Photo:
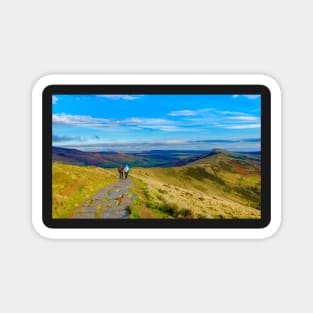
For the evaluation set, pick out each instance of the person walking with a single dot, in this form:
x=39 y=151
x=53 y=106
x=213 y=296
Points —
x=126 y=171
x=121 y=171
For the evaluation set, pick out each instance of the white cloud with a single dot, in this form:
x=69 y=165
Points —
x=77 y=120
x=252 y=97
x=246 y=126
x=157 y=121
x=247 y=118
x=166 y=128
x=239 y=121
x=54 y=99
x=169 y=128
x=151 y=123
x=126 y=143
x=89 y=121
x=233 y=113
x=121 y=97
x=183 y=113
x=133 y=120
x=189 y=112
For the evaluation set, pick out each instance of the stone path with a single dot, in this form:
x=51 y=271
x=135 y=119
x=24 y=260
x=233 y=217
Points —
x=110 y=202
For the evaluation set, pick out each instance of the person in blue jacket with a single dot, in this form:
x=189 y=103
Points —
x=126 y=170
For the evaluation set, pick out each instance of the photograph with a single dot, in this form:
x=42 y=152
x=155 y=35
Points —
x=156 y=156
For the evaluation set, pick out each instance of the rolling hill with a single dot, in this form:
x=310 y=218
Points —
x=220 y=185
x=77 y=157
x=214 y=184
x=134 y=159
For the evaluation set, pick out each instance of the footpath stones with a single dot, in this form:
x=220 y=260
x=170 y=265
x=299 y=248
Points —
x=110 y=202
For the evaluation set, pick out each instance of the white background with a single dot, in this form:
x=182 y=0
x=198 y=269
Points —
x=270 y=37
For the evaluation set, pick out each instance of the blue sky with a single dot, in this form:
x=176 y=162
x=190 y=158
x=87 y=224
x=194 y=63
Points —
x=146 y=122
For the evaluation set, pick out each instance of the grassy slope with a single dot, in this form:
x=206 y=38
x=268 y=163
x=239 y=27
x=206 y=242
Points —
x=219 y=186
x=216 y=187
x=141 y=207
x=73 y=185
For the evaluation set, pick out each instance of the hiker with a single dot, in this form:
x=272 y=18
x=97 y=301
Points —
x=126 y=170
x=121 y=171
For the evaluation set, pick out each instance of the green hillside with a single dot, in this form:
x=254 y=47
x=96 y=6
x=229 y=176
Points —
x=219 y=186
x=72 y=185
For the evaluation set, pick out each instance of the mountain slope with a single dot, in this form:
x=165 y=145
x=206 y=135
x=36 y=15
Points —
x=221 y=185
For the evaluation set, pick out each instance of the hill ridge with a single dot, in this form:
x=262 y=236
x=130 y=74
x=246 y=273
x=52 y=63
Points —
x=153 y=158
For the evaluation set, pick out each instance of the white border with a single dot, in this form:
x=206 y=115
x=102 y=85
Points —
x=156 y=233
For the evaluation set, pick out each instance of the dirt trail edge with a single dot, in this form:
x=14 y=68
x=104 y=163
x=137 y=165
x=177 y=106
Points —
x=110 y=202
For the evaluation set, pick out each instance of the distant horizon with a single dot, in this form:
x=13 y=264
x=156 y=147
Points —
x=156 y=122
x=152 y=150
